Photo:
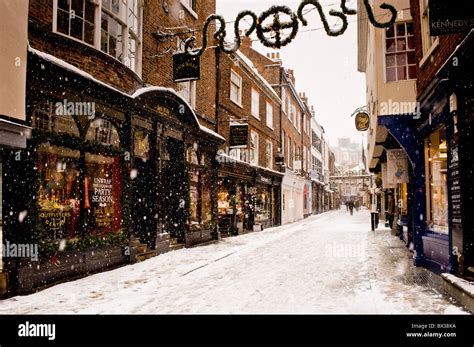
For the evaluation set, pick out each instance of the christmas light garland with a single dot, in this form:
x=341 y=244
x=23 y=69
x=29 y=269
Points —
x=276 y=39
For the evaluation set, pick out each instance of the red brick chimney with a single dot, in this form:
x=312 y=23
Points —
x=246 y=41
x=291 y=76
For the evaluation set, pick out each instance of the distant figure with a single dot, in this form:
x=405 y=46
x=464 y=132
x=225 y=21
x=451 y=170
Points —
x=351 y=207
x=357 y=205
x=347 y=205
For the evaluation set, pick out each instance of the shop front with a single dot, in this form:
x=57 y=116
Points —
x=248 y=198
x=292 y=197
x=307 y=199
x=88 y=184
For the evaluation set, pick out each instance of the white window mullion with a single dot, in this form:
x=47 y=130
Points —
x=55 y=16
x=98 y=25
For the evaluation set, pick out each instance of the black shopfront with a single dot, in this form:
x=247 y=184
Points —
x=90 y=182
x=248 y=197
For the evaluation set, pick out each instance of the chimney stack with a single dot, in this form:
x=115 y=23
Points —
x=246 y=42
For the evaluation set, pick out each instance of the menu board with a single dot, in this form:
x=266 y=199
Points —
x=455 y=184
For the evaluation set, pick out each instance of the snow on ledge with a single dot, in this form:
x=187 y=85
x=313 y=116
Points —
x=211 y=132
x=72 y=68
x=232 y=159
x=466 y=286
x=56 y=61
x=148 y=89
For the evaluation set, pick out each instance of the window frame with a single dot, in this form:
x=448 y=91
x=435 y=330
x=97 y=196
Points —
x=269 y=106
x=191 y=8
x=122 y=18
x=269 y=159
x=255 y=103
x=406 y=51
x=254 y=150
x=240 y=87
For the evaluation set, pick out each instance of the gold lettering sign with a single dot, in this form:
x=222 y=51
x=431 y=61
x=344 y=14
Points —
x=163 y=111
x=362 y=121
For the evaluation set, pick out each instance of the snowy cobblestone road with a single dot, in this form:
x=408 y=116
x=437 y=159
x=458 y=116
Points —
x=329 y=263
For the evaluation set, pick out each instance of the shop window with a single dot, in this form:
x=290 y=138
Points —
x=141 y=145
x=102 y=131
x=253 y=148
x=194 y=197
x=437 y=181
x=400 y=57
x=206 y=206
x=59 y=190
x=262 y=206
x=46 y=118
x=223 y=202
x=192 y=156
x=103 y=188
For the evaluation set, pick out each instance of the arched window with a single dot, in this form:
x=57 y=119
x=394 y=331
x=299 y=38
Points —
x=104 y=132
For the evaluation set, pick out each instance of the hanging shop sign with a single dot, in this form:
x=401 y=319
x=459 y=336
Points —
x=447 y=17
x=186 y=68
x=397 y=166
x=362 y=121
x=239 y=136
x=385 y=184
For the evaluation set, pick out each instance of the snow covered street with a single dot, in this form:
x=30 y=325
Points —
x=329 y=263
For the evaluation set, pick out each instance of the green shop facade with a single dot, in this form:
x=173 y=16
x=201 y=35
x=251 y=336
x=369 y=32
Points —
x=102 y=172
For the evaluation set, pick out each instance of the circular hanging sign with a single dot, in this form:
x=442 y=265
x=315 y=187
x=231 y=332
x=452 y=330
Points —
x=362 y=121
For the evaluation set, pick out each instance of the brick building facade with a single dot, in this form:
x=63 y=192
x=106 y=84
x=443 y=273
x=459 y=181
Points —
x=249 y=176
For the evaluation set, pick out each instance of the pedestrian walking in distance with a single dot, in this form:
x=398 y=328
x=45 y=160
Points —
x=351 y=207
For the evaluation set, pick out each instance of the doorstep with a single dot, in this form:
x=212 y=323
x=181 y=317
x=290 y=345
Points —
x=460 y=289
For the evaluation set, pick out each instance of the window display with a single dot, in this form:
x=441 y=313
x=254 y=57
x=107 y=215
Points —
x=103 y=188
x=262 y=206
x=437 y=181
x=58 y=196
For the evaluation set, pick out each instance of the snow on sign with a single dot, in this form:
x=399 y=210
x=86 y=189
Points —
x=397 y=167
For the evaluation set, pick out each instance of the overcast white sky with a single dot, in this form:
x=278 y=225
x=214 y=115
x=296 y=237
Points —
x=325 y=67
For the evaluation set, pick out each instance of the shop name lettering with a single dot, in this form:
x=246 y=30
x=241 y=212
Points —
x=37 y=330
x=448 y=24
x=75 y=108
x=102 y=190
x=55 y=220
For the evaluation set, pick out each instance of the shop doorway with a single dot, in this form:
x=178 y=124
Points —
x=175 y=190
x=144 y=210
